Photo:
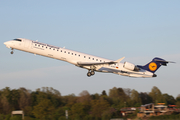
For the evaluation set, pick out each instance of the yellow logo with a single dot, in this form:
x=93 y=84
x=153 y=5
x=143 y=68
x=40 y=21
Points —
x=152 y=66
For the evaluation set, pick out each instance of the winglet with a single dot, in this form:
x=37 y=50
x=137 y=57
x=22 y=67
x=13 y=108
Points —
x=119 y=60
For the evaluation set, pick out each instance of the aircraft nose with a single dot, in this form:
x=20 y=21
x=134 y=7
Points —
x=7 y=44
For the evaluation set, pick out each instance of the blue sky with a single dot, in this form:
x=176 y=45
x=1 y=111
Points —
x=139 y=30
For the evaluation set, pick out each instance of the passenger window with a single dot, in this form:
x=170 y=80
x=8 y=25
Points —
x=35 y=44
x=79 y=55
x=42 y=46
x=93 y=58
x=39 y=45
x=46 y=47
x=57 y=49
x=64 y=51
x=72 y=53
x=84 y=56
x=96 y=59
x=89 y=58
x=100 y=60
x=68 y=52
x=49 y=48
x=75 y=54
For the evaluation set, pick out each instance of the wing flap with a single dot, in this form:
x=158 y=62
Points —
x=94 y=63
x=99 y=63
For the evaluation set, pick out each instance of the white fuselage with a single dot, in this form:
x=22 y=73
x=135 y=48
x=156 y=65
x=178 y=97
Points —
x=74 y=57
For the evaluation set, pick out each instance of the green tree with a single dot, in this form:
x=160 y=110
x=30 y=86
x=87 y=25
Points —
x=106 y=115
x=95 y=96
x=78 y=111
x=15 y=95
x=44 y=110
x=178 y=101
x=127 y=91
x=135 y=98
x=145 y=98
x=169 y=99
x=156 y=95
x=69 y=100
x=178 y=98
x=118 y=97
x=85 y=100
x=60 y=113
x=104 y=93
x=25 y=99
x=98 y=107
x=6 y=100
x=84 y=96
x=16 y=117
x=46 y=93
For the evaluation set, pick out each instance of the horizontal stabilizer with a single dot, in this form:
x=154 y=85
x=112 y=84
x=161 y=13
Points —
x=164 y=61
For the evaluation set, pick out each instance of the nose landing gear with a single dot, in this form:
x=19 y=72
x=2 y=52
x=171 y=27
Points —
x=12 y=51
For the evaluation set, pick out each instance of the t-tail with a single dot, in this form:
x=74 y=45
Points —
x=154 y=65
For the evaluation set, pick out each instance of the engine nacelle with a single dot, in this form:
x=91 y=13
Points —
x=130 y=66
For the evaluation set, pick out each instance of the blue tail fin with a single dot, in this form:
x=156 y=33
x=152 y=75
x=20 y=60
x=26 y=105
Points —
x=154 y=65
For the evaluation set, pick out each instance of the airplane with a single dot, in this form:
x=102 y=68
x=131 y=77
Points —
x=89 y=62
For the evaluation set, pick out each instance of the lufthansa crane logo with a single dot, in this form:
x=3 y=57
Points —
x=152 y=66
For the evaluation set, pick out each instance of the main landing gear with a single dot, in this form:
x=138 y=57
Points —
x=90 y=72
x=12 y=51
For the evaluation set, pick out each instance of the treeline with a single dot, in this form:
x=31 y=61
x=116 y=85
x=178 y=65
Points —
x=48 y=104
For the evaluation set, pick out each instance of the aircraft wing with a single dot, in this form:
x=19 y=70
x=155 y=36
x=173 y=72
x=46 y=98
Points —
x=99 y=63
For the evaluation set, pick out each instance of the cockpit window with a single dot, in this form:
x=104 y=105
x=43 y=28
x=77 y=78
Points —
x=18 y=40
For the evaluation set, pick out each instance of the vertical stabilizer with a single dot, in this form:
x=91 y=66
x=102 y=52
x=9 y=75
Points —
x=154 y=65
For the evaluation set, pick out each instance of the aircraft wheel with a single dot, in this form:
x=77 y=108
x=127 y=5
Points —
x=88 y=74
x=92 y=72
x=12 y=52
